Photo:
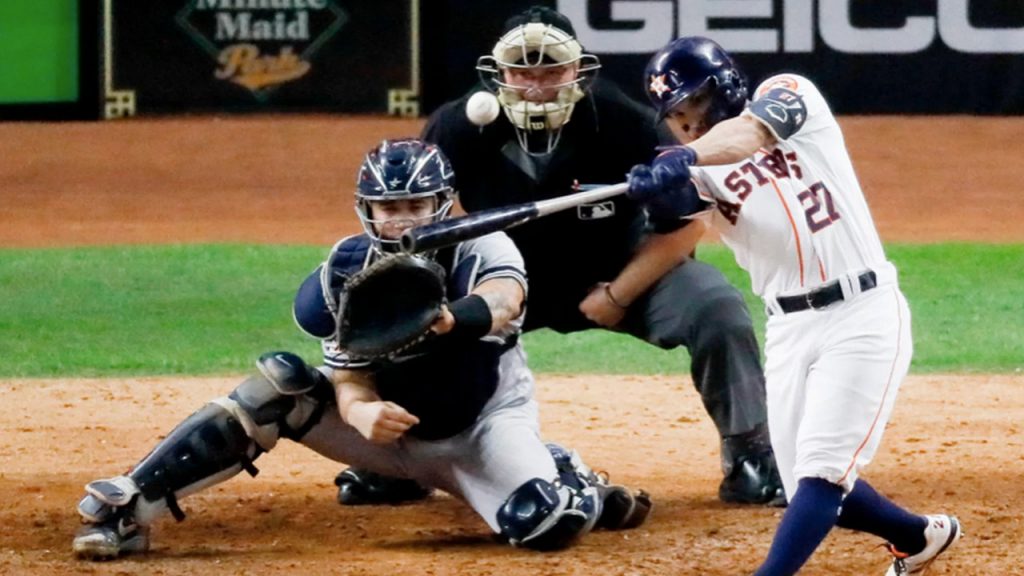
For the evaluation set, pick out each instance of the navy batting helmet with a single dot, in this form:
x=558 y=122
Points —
x=688 y=65
x=398 y=170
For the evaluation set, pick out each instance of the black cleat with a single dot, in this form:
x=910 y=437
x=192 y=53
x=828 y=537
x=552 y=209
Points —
x=753 y=479
x=361 y=487
x=622 y=509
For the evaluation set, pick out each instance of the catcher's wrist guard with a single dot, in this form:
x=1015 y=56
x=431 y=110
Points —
x=472 y=317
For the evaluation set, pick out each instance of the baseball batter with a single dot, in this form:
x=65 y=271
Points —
x=456 y=412
x=774 y=177
x=610 y=264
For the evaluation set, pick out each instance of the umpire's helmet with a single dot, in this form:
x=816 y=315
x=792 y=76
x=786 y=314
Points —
x=688 y=65
x=403 y=169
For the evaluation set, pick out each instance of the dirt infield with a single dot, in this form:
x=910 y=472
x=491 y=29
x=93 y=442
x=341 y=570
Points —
x=955 y=442
x=945 y=450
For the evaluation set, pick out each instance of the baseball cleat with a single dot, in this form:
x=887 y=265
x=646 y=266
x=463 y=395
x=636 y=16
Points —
x=622 y=509
x=110 y=539
x=361 y=487
x=753 y=480
x=941 y=533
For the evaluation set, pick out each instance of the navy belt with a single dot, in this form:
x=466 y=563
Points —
x=824 y=295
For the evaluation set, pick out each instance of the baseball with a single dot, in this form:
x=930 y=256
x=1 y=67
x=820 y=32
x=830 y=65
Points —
x=482 y=108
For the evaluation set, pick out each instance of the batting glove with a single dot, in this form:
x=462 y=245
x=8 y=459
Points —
x=670 y=170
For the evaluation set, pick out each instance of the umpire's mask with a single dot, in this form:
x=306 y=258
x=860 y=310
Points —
x=538 y=71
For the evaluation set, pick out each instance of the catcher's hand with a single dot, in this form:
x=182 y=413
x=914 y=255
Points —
x=389 y=306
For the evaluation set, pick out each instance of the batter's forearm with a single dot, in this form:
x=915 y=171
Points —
x=731 y=141
x=656 y=256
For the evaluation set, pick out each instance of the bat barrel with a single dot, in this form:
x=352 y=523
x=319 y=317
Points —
x=454 y=230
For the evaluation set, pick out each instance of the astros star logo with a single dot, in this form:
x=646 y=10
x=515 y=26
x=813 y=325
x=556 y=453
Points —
x=658 y=85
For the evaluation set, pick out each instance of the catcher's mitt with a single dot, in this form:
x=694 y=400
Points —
x=389 y=306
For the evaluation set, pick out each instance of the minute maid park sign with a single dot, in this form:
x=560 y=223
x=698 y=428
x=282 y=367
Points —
x=261 y=44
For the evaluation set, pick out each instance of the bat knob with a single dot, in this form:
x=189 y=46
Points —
x=407 y=242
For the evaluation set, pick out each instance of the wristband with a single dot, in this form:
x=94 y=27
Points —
x=472 y=317
x=608 y=293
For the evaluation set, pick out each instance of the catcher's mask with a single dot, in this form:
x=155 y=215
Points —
x=692 y=65
x=400 y=170
x=535 y=41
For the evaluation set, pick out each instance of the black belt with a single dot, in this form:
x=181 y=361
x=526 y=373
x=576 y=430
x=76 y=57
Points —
x=824 y=295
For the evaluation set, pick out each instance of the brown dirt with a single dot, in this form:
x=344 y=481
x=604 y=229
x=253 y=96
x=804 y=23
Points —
x=954 y=444
x=945 y=450
x=290 y=179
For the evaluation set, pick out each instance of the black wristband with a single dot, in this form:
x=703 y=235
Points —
x=472 y=317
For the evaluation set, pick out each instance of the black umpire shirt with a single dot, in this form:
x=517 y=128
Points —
x=566 y=253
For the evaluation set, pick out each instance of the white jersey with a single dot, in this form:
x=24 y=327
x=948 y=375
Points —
x=794 y=214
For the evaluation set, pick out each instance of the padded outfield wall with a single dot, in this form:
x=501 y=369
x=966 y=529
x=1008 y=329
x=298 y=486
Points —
x=405 y=57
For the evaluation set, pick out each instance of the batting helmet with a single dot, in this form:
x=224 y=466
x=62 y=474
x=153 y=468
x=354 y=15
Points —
x=402 y=169
x=689 y=65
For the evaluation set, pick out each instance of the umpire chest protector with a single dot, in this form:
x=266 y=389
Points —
x=444 y=381
x=568 y=252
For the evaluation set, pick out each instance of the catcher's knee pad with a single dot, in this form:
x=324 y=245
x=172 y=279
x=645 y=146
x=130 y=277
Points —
x=286 y=399
x=542 y=515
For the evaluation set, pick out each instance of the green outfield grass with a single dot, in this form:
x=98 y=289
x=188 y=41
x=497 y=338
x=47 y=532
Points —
x=212 y=309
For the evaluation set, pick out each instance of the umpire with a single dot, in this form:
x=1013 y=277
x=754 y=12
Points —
x=609 y=264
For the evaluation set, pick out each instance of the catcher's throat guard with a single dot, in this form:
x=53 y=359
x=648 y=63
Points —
x=388 y=307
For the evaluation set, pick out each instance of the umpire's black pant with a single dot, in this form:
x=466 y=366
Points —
x=694 y=306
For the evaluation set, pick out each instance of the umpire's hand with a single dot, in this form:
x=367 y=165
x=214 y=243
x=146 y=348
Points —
x=601 y=308
x=380 y=422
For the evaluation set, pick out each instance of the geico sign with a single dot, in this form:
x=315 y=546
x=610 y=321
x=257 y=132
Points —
x=796 y=33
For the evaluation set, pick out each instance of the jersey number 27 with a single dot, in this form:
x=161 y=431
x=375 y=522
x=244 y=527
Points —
x=819 y=209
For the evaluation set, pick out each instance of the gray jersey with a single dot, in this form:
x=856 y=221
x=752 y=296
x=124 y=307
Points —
x=501 y=449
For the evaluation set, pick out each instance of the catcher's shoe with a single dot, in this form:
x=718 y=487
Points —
x=111 y=538
x=942 y=531
x=622 y=509
x=753 y=479
x=361 y=487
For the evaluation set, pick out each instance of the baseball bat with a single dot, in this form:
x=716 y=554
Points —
x=454 y=230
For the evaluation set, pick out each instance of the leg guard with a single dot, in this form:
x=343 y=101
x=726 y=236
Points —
x=215 y=443
x=548 y=516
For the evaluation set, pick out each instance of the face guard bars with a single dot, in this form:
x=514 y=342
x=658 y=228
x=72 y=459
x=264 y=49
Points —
x=537 y=46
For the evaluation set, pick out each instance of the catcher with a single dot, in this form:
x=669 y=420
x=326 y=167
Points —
x=424 y=379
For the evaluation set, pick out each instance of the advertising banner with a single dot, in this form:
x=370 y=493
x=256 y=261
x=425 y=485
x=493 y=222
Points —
x=227 y=55
x=867 y=56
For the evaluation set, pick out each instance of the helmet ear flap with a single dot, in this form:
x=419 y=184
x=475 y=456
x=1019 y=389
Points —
x=734 y=91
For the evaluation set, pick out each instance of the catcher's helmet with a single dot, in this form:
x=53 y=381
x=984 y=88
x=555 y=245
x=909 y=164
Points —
x=537 y=39
x=688 y=65
x=403 y=169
